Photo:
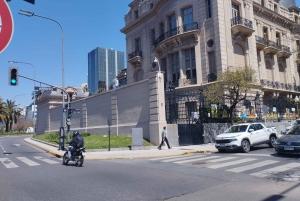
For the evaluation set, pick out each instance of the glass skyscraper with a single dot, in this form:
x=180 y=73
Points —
x=103 y=67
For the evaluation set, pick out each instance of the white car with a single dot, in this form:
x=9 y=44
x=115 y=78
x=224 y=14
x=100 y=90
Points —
x=296 y=122
x=245 y=135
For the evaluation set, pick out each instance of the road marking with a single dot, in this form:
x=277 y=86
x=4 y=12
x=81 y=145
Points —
x=196 y=159
x=27 y=161
x=45 y=160
x=252 y=166
x=221 y=159
x=275 y=170
x=186 y=157
x=154 y=159
x=231 y=163
x=17 y=145
x=240 y=154
x=292 y=177
x=8 y=163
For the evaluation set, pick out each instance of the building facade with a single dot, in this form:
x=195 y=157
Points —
x=195 y=40
x=103 y=67
x=29 y=114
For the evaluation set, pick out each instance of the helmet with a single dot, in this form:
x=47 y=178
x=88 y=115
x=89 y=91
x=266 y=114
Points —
x=75 y=133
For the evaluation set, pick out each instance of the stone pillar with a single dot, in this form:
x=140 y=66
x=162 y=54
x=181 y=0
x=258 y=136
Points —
x=157 y=107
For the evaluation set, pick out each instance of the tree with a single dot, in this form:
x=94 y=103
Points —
x=11 y=114
x=22 y=124
x=100 y=90
x=232 y=86
x=2 y=110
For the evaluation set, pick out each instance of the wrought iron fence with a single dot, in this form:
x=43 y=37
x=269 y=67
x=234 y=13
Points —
x=260 y=40
x=241 y=21
x=135 y=54
x=176 y=31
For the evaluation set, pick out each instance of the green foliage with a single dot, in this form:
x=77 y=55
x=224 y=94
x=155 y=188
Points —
x=238 y=119
x=85 y=134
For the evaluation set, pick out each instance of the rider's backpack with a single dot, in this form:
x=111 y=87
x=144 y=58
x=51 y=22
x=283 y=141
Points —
x=80 y=141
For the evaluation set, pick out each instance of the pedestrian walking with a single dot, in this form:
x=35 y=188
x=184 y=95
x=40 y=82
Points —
x=164 y=138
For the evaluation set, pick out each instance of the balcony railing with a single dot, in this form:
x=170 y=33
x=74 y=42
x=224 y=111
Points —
x=260 y=40
x=135 y=54
x=241 y=21
x=278 y=85
x=176 y=31
x=285 y=48
x=272 y=44
x=212 y=77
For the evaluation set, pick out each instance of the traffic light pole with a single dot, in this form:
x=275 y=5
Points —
x=62 y=129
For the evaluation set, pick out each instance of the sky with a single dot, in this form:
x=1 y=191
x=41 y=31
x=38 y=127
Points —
x=86 y=25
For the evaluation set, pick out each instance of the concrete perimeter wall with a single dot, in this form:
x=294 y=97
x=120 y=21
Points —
x=139 y=105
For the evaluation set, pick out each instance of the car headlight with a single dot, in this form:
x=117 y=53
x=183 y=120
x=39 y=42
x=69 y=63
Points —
x=277 y=142
x=233 y=139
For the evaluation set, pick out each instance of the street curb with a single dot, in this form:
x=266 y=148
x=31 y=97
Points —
x=58 y=154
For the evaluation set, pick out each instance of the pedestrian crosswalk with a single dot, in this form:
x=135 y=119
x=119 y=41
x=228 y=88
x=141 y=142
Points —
x=254 y=165
x=34 y=161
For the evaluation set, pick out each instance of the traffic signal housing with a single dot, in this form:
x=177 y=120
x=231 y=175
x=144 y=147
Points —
x=13 y=76
x=69 y=113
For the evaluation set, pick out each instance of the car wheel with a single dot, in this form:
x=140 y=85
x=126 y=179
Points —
x=222 y=150
x=245 y=146
x=272 y=141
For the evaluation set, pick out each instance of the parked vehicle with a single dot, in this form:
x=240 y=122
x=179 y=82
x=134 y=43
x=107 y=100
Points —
x=289 y=143
x=78 y=157
x=294 y=123
x=244 y=136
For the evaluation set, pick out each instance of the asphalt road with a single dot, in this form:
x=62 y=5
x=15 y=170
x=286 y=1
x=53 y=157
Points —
x=28 y=173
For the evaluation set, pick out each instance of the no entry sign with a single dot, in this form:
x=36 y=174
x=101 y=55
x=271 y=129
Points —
x=6 y=25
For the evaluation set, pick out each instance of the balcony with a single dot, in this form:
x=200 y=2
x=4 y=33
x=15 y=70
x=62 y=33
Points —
x=298 y=58
x=272 y=47
x=212 y=77
x=135 y=58
x=284 y=52
x=241 y=25
x=182 y=30
x=260 y=43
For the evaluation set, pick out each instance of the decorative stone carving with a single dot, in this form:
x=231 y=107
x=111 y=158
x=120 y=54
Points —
x=268 y=56
x=197 y=35
x=239 y=37
x=163 y=47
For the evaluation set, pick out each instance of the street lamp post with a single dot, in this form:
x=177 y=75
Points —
x=34 y=120
x=297 y=102
x=256 y=101
x=154 y=65
x=30 y=14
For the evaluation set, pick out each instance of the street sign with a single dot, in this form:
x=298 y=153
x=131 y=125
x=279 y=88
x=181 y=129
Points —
x=6 y=25
x=45 y=88
x=75 y=110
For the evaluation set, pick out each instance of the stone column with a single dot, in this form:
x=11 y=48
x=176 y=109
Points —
x=157 y=107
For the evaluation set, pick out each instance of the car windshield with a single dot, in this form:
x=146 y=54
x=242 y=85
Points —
x=237 y=129
x=296 y=122
x=294 y=131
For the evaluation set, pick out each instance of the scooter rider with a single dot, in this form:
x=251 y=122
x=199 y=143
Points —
x=73 y=144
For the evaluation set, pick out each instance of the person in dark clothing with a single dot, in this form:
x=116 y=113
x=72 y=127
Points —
x=73 y=144
x=164 y=138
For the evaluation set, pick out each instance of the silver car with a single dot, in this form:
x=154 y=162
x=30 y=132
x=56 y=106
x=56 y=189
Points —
x=290 y=142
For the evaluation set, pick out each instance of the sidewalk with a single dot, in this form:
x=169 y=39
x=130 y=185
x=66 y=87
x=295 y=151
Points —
x=129 y=154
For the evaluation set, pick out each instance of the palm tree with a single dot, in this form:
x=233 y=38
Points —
x=11 y=114
x=2 y=111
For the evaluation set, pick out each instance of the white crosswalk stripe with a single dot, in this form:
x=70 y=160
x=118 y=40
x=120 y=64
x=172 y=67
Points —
x=221 y=159
x=196 y=159
x=183 y=158
x=275 y=170
x=231 y=163
x=45 y=160
x=252 y=166
x=27 y=161
x=156 y=159
x=8 y=163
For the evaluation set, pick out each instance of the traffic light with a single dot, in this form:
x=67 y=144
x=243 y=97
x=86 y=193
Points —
x=13 y=76
x=69 y=113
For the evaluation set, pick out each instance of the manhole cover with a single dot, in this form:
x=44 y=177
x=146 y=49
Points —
x=198 y=163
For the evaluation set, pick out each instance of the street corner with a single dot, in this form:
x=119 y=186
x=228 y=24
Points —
x=56 y=153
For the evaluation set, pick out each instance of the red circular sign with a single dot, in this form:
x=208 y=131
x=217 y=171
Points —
x=6 y=25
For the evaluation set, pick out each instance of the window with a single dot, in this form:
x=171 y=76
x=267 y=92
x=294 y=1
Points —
x=266 y=37
x=152 y=36
x=190 y=63
x=187 y=18
x=175 y=67
x=278 y=40
x=211 y=63
x=190 y=107
x=235 y=11
x=209 y=9
x=136 y=14
x=137 y=44
x=161 y=28
x=172 y=25
x=263 y=2
x=275 y=8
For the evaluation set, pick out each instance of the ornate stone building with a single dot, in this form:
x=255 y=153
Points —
x=194 y=40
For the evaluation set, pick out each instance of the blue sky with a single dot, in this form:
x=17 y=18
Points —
x=86 y=24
